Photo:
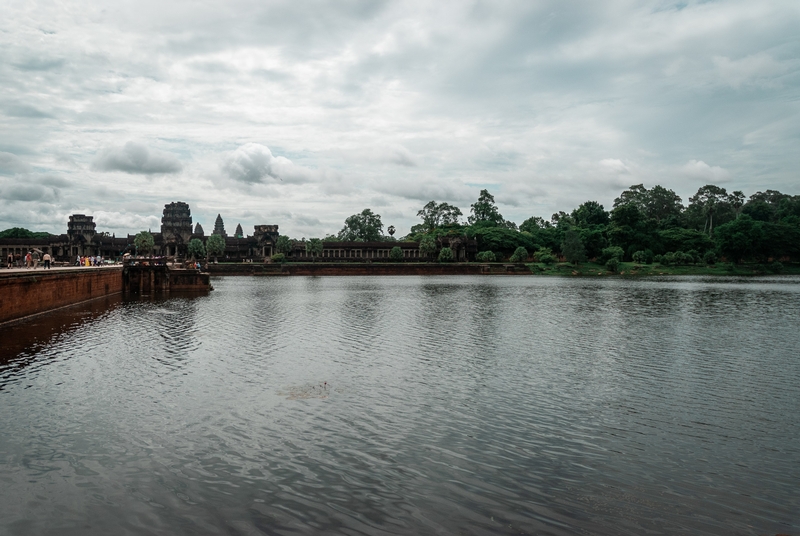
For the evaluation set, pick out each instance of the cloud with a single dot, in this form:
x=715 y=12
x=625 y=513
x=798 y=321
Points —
x=700 y=171
x=254 y=163
x=136 y=158
x=27 y=112
x=614 y=165
x=28 y=192
x=110 y=221
x=52 y=180
x=11 y=163
x=756 y=69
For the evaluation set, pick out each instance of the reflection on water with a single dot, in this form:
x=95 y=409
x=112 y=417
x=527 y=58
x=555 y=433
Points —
x=409 y=405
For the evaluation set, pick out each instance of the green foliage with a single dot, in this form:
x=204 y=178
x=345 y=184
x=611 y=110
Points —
x=144 y=243
x=314 y=247
x=640 y=257
x=435 y=215
x=363 y=227
x=196 y=248
x=590 y=213
x=283 y=245
x=446 y=255
x=485 y=256
x=215 y=245
x=612 y=264
x=613 y=252
x=520 y=255
x=499 y=239
x=19 y=232
x=710 y=258
x=427 y=246
x=545 y=256
x=684 y=239
x=484 y=210
x=396 y=254
x=572 y=247
x=278 y=257
x=776 y=267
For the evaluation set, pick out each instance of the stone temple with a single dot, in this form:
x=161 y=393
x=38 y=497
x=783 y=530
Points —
x=82 y=239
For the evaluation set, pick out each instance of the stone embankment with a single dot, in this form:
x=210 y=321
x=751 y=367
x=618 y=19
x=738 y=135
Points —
x=362 y=269
x=29 y=292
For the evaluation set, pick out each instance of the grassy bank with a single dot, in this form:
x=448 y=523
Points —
x=634 y=269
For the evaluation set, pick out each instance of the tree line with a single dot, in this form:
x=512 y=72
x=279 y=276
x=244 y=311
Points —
x=643 y=225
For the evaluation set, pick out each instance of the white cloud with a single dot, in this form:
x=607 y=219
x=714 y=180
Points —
x=136 y=158
x=253 y=163
x=113 y=221
x=700 y=171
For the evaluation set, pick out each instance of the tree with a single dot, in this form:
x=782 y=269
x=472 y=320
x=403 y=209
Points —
x=196 y=248
x=485 y=256
x=446 y=255
x=661 y=203
x=19 y=232
x=710 y=200
x=144 y=243
x=435 y=215
x=427 y=246
x=396 y=254
x=572 y=247
x=314 y=248
x=215 y=246
x=590 y=213
x=636 y=195
x=363 y=227
x=484 y=210
x=520 y=255
x=283 y=244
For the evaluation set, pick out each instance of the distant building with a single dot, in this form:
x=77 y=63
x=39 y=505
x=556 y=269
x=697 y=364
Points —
x=82 y=239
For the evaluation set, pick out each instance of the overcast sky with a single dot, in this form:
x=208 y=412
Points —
x=301 y=113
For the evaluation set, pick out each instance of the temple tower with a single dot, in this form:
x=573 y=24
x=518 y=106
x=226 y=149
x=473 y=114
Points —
x=198 y=229
x=219 y=227
x=176 y=228
x=239 y=233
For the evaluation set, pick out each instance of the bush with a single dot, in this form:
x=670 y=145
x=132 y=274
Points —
x=520 y=255
x=776 y=267
x=613 y=252
x=545 y=256
x=760 y=269
x=446 y=255
x=658 y=259
x=612 y=264
x=639 y=257
x=710 y=258
x=485 y=256
x=278 y=257
x=693 y=256
x=396 y=254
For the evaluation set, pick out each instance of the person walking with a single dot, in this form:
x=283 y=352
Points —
x=35 y=257
x=10 y=260
x=28 y=261
x=46 y=260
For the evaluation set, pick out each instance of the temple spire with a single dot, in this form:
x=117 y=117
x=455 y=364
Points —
x=219 y=227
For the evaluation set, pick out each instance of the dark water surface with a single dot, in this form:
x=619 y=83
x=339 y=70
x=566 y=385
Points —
x=453 y=405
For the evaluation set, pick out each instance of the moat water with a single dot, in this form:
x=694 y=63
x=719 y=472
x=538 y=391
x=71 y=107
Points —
x=409 y=405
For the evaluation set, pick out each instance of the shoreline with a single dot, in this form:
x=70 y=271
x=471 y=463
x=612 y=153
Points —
x=587 y=269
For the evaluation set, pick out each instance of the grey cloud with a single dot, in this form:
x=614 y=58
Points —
x=136 y=158
x=28 y=192
x=11 y=163
x=26 y=111
x=39 y=64
x=54 y=181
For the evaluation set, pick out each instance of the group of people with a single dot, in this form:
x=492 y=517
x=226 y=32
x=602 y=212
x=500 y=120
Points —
x=89 y=261
x=31 y=260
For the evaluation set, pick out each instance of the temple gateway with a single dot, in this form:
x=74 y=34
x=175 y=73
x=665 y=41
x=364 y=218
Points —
x=82 y=239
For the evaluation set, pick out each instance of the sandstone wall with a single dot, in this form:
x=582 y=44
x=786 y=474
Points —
x=23 y=294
